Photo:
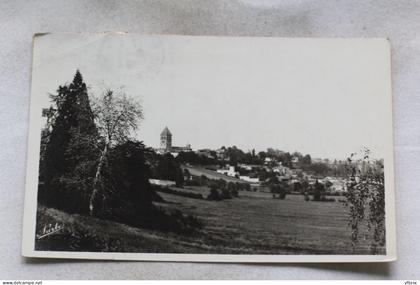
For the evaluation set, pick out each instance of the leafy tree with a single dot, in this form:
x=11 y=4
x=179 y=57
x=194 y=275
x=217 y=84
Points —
x=225 y=194
x=126 y=179
x=235 y=155
x=366 y=199
x=298 y=155
x=247 y=187
x=231 y=186
x=307 y=159
x=214 y=193
x=169 y=169
x=319 y=191
x=297 y=187
x=203 y=180
x=318 y=168
x=278 y=188
x=233 y=189
x=263 y=174
x=262 y=155
x=304 y=184
x=117 y=116
x=196 y=159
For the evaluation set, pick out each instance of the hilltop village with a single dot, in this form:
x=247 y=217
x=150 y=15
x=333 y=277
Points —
x=297 y=173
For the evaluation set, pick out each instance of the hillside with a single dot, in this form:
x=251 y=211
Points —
x=243 y=225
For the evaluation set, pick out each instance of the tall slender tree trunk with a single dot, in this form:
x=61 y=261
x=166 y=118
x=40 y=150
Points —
x=96 y=184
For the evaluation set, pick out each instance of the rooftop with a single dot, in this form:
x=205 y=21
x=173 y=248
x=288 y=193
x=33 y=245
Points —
x=165 y=132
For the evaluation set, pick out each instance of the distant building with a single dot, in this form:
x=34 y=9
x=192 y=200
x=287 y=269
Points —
x=337 y=184
x=249 y=167
x=230 y=171
x=160 y=182
x=250 y=179
x=166 y=139
x=166 y=144
x=268 y=160
x=205 y=152
x=280 y=170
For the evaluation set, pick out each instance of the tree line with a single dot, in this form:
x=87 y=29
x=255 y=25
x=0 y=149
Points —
x=91 y=164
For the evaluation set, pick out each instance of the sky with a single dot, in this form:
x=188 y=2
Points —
x=324 y=97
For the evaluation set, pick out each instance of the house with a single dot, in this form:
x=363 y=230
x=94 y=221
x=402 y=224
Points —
x=268 y=160
x=205 y=152
x=279 y=169
x=230 y=171
x=249 y=179
x=159 y=182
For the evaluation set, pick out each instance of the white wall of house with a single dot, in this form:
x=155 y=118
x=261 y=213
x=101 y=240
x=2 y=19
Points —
x=162 y=182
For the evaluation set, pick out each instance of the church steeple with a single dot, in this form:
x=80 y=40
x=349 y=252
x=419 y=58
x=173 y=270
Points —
x=166 y=139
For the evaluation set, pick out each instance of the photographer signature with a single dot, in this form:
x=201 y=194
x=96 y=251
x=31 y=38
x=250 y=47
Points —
x=50 y=230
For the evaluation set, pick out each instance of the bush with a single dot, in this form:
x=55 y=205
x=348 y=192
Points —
x=282 y=195
x=192 y=182
x=214 y=194
x=225 y=194
x=234 y=193
x=325 y=199
x=278 y=189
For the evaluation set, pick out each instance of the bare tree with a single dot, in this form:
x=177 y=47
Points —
x=117 y=117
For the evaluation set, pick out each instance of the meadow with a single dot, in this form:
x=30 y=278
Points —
x=244 y=225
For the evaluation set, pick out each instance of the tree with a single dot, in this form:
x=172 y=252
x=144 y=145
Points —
x=214 y=194
x=286 y=159
x=69 y=156
x=280 y=189
x=262 y=155
x=117 y=116
x=225 y=194
x=232 y=188
x=169 y=169
x=319 y=191
x=307 y=159
x=328 y=185
x=235 y=155
x=366 y=198
x=203 y=180
x=126 y=178
x=297 y=155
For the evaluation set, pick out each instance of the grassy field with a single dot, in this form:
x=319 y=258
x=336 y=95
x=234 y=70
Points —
x=265 y=225
x=244 y=225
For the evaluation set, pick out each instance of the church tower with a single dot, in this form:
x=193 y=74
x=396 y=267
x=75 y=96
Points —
x=166 y=139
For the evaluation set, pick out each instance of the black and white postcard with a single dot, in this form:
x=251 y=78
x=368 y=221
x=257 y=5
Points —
x=210 y=149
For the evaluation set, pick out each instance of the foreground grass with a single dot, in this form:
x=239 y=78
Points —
x=244 y=225
x=82 y=233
